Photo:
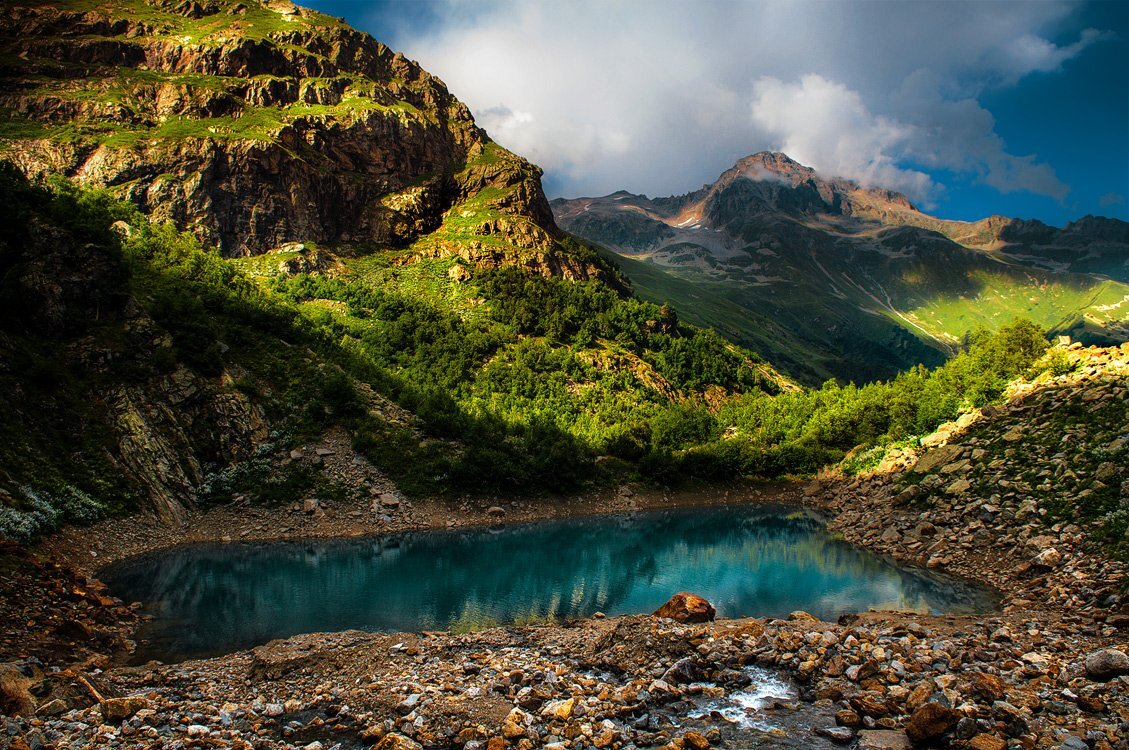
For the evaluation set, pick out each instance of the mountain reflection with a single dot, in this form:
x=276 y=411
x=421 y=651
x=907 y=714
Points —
x=759 y=561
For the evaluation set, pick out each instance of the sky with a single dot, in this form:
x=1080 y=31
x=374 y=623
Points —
x=969 y=108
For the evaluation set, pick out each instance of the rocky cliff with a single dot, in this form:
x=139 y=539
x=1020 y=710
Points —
x=256 y=124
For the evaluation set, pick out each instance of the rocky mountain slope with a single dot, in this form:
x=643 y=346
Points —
x=257 y=124
x=829 y=278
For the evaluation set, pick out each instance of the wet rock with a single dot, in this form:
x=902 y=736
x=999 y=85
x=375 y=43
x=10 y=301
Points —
x=683 y=672
x=1106 y=664
x=688 y=608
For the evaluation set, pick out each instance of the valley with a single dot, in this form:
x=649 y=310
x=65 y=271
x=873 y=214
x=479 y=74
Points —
x=326 y=429
x=829 y=279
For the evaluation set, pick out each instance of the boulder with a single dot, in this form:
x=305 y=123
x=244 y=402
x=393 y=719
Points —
x=931 y=721
x=117 y=710
x=1106 y=664
x=1048 y=558
x=496 y=511
x=941 y=456
x=687 y=607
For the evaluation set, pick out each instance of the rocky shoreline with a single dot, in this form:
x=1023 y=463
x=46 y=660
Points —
x=1047 y=671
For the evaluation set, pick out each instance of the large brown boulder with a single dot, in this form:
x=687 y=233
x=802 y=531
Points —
x=931 y=721
x=687 y=607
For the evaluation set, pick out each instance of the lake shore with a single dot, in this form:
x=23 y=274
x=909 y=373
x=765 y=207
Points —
x=1047 y=671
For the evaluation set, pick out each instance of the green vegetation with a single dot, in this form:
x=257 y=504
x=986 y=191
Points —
x=517 y=382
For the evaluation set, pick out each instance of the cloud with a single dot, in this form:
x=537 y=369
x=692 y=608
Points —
x=659 y=96
x=1111 y=199
x=825 y=125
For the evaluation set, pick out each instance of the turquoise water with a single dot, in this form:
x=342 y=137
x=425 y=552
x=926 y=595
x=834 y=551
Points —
x=748 y=561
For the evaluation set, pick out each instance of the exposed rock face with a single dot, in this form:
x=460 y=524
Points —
x=687 y=607
x=256 y=124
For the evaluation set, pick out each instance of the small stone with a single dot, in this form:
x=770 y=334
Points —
x=1074 y=743
x=959 y=487
x=1048 y=558
x=198 y=730
x=407 y=705
x=496 y=511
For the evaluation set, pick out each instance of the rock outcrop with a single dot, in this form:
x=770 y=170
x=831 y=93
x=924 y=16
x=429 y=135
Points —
x=255 y=124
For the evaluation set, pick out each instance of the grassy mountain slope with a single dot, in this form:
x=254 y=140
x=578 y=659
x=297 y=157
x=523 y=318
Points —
x=257 y=124
x=829 y=279
x=147 y=372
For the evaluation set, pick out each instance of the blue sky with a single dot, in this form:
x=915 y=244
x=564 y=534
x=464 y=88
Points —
x=970 y=108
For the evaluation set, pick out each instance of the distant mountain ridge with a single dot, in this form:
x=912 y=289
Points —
x=830 y=278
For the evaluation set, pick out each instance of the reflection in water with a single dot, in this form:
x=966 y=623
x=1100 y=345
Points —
x=749 y=561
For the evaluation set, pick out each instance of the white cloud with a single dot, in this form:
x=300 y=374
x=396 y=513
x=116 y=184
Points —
x=659 y=96
x=825 y=125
